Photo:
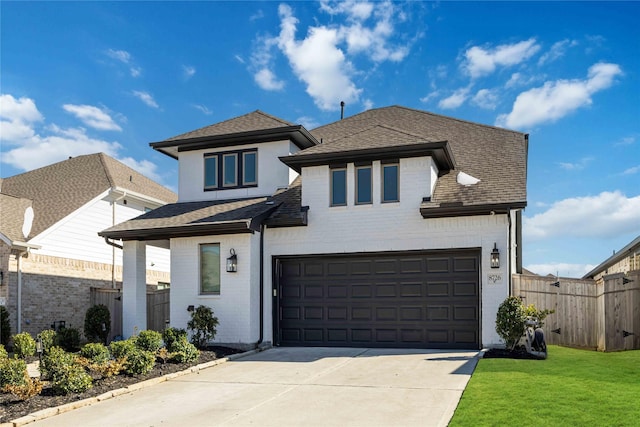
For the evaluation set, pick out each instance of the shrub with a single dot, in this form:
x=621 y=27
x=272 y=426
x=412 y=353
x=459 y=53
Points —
x=139 y=362
x=24 y=345
x=164 y=354
x=97 y=323
x=202 y=326
x=184 y=351
x=109 y=368
x=532 y=311
x=12 y=372
x=68 y=338
x=95 y=352
x=71 y=379
x=171 y=336
x=3 y=352
x=5 y=326
x=31 y=387
x=48 y=339
x=149 y=341
x=120 y=349
x=510 y=321
x=54 y=360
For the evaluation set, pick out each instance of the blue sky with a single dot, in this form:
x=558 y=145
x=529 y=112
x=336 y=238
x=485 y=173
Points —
x=80 y=78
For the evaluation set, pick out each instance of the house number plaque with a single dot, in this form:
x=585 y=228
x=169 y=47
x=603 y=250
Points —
x=495 y=279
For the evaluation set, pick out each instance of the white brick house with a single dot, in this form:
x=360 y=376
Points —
x=372 y=231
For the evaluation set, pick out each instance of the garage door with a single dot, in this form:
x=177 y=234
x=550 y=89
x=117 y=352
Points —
x=409 y=299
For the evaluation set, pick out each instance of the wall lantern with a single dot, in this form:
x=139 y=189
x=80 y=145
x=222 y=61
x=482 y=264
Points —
x=232 y=262
x=495 y=257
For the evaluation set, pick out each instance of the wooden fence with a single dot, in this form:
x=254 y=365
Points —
x=157 y=308
x=603 y=315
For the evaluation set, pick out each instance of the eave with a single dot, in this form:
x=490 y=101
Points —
x=458 y=209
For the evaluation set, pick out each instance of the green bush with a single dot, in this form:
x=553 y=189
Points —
x=202 y=326
x=532 y=311
x=24 y=345
x=95 y=352
x=3 y=352
x=70 y=379
x=184 y=352
x=48 y=339
x=149 y=340
x=139 y=362
x=68 y=338
x=5 y=326
x=170 y=336
x=120 y=349
x=510 y=321
x=97 y=323
x=54 y=360
x=12 y=372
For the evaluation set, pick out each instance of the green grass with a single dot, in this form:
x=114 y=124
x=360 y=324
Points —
x=571 y=388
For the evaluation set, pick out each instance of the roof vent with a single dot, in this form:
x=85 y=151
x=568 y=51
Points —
x=130 y=178
x=341 y=110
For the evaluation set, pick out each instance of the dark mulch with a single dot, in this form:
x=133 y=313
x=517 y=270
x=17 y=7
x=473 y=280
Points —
x=11 y=409
x=501 y=353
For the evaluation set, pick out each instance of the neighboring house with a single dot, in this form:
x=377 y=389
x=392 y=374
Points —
x=625 y=260
x=50 y=253
x=372 y=231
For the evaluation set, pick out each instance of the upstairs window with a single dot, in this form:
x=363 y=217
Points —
x=363 y=185
x=232 y=169
x=338 y=187
x=390 y=187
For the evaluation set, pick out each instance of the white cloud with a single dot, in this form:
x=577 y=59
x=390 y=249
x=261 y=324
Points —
x=258 y=15
x=431 y=95
x=267 y=80
x=92 y=116
x=627 y=140
x=579 y=165
x=146 y=98
x=308 y=122
x=126 y=58
x=354 y=10
x=486 y=98
x=455 y=100
x=367 y=104
x=556 y=99
x=17 y=117
x=145 y=167
x=203 y=108
x=239 y=58
x=632 y=171
x=561 y=269
x=188 y=71
x=558 y=50
x=609 y=214
x=481 y=61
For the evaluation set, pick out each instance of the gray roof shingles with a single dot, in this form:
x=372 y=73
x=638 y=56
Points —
x=12 y=216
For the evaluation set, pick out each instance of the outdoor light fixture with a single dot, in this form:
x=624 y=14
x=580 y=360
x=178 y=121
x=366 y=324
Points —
x=190 y=308
x=232 y=262
x=495 y=257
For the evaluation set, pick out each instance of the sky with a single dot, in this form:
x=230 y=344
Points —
x=86 y=77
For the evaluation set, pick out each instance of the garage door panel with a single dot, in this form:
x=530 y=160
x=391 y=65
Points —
x=386 y=290
x=291 y=313
x=338 y=291
x=410 y=290
x=465 y=264
x=409 y=266
x=465 y=288
x=313 y=291
x=469 y=313
x=313 y=313
x=362 y=313
x=338 y=335
x=337 y=268
x=338 y=313
x=361 y=268
x=385 y=267
x=386 y=314
x=438 y=313
x=438 y=289
x=361 y=291
x=438 y=265
x=411 y=314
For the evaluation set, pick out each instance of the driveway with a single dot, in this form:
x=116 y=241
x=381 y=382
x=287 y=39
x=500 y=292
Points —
x=297 y=387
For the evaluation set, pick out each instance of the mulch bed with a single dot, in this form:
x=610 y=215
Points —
x=10 y=408
x=502 y=353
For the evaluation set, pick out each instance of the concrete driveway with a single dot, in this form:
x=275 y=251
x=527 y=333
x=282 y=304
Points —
x=297 y=387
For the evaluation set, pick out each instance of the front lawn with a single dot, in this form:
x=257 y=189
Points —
x=570 y=388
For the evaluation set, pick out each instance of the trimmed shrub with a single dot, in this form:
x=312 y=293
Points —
x=139 y=362
x=184 y=351
x=71 y=379
x=532 y=311
x=48 y=339
x=68 y=338
x=12 y=372
x=109 y=368
x=164 y=354
x=24 y=345
x=120 y=349
x=202 y=326
x=171 y=336
x=510 y=321
x=31 y=387
x=149 y=341
x=95 y=352
x=54 y=360
x=97 y=323
x=5 y=326
x=3 y=352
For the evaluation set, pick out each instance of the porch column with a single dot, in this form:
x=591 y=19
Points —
x=134 y=287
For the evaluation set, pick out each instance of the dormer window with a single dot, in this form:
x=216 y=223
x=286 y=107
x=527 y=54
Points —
x=230 y=169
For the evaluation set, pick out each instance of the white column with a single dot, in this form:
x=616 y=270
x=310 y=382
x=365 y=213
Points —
x=134 y=288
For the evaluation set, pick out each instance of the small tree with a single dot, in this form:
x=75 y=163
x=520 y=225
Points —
x=97 y=323
x=202 y=326
x=510 y=321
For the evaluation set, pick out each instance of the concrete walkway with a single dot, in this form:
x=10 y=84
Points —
x=297 y=387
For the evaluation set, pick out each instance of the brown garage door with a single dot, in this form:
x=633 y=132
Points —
x=409 y=299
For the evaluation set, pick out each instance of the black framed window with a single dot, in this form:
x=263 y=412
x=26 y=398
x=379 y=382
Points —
x=339 y=187
x=210 y=268
x=250 y=167
x=230 y=169
x=390 y=183
x=211 y=172
x=363 y=185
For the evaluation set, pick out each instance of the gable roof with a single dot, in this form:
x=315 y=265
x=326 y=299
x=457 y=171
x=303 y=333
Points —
x=251 y=128
x=59 y=189
x=630 y=249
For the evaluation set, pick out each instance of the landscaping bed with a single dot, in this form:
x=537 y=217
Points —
x=10 y=408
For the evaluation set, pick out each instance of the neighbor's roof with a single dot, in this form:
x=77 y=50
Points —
x=498 y=157
x=59 y=189
x=629 y=249
x=12 y=216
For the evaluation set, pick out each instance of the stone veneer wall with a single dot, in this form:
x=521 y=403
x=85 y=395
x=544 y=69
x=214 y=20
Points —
x=55 y=289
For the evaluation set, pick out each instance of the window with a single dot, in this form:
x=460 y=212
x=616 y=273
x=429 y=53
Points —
x=390 y=188
x=338 y=187
x=210 y=269
x=249 y=168
x=363 y=185
x=231 y=169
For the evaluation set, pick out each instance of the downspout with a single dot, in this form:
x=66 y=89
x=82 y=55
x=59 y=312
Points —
x=113 y=250
x=509 y=253
x=19 y=311
x=261 y=337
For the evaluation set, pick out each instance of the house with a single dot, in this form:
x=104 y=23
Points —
x=50 y=253
x=391 y=228
x=625 y=260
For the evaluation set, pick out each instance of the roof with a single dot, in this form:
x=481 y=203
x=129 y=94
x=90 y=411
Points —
x=59 y=189
x=251 y=128
x=12 y=216
x=498 y=157
x=633 y=247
